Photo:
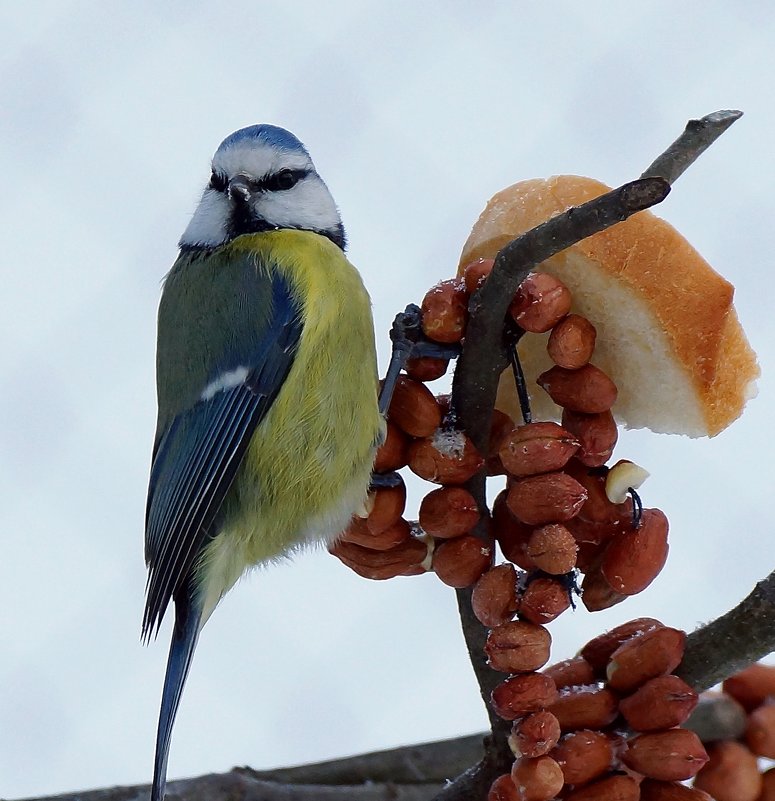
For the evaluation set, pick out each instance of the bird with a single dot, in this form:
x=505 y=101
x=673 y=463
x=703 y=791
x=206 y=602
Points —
x=266 y=377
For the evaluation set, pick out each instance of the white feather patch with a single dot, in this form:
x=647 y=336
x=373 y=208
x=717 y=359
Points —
x=229 y=380
x=208 y=225
x=308 y=205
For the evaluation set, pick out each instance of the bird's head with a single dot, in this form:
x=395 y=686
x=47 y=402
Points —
x=262 y=179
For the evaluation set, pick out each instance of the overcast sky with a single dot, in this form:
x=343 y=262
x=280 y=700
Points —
x=415 y=114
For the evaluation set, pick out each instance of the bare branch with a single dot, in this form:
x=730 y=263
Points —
x=232 y=785
x=426 y=763
x=735 y=640
x=411 y=773
x=697 y=137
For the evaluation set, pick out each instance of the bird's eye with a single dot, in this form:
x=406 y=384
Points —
x=218 y=182
x=285 y=179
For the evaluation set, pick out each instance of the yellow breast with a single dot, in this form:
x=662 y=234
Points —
x=308 y=465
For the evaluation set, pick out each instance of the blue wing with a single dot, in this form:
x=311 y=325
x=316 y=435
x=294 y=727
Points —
x=198 y=454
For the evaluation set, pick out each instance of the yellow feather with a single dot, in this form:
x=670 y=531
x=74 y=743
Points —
x=308 y=465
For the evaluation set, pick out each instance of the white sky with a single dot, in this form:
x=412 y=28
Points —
x=415 y=114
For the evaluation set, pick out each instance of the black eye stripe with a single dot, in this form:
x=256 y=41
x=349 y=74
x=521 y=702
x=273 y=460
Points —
x=218 y=181
x=280 y=181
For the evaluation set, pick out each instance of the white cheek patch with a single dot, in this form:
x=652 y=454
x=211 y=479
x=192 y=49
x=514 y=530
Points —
x=208 y=225
x=229 y=380
x=307 y=205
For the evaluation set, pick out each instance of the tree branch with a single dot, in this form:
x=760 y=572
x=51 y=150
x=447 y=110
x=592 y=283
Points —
x=697 y=137
x=411 y=773
x=735 y=640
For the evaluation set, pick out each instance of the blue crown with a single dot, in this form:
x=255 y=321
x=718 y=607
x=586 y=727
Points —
x=265 y=134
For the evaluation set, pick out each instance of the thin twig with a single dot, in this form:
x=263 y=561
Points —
x=697 y=137
x=735 y=640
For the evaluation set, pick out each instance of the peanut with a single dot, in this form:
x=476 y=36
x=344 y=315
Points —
x=387 y=506
x=503 y=789
x=540 y=303
x=750 y=687
x=538 y=779
x=571 y=672
x=585 y=708
x=449 y=457
x=389 y=537
x=553 y=549
x=537 y=448
x=426 y=368
x=633 y=559
x=660 y=703
x=731 y=774
x=448 y=512
x=512 y=535
x=587 y=389
x=494 y=597
x=393 y=454
x=534 y=735
x=445 y=311
x=760 y=731
x=517 y=647
x=672 y=755
x=544 y=600
x=547 y=498
x=612 y=788
x=584 y=755
x=523 y=694
x=413 y=408
x=381 y=564
x=596 y=593
x=475 y=274
x=768 y=787
x=572 y=342
x=460 y=562
x=654 y=790
x=597 y=435
x=598 y=651
x=651 y=654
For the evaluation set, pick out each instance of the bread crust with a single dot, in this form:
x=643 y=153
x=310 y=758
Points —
x=645 y=263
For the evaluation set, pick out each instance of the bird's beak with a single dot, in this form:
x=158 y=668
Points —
x=240 y=189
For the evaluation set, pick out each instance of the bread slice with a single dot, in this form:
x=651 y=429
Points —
x=667 y=332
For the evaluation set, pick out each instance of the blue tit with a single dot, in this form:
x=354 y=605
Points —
x=268 y=415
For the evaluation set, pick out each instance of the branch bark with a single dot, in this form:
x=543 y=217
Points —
x=697 y=137
x=735 y=640
x=411 y=773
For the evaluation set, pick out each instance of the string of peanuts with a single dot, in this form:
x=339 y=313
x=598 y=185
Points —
x=606 y=724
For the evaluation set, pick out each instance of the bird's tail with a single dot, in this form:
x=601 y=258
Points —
x=185 y=634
